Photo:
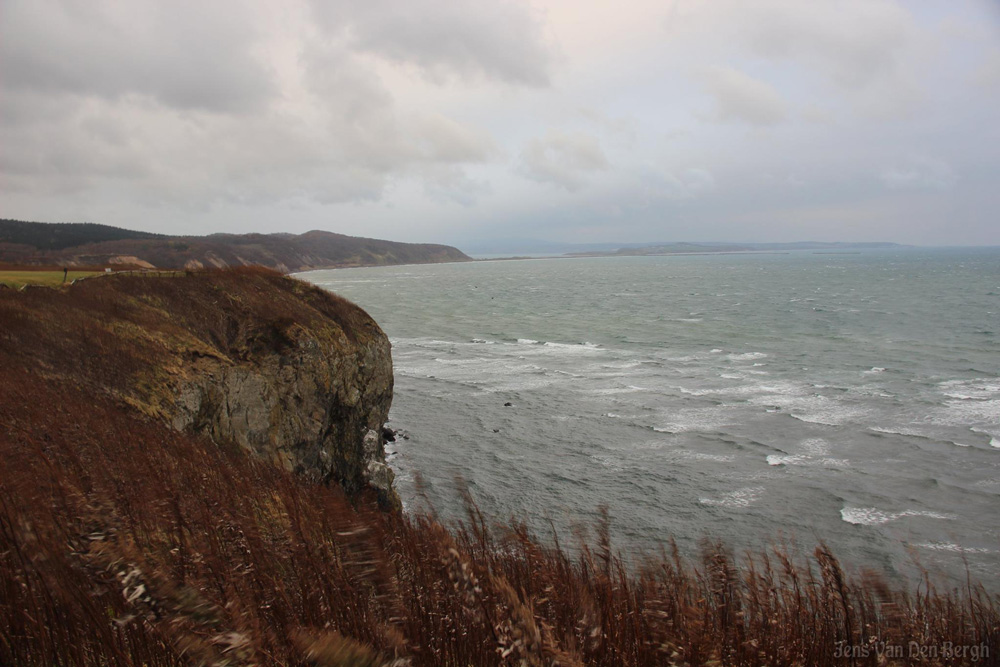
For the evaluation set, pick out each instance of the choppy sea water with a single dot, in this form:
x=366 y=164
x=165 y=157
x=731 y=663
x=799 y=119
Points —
x=853 y=398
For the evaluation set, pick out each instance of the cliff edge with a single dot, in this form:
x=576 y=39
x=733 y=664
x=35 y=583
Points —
x=291 y=373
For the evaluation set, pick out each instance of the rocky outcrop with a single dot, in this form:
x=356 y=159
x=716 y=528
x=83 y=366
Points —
x=312 y=407
x=290 y=373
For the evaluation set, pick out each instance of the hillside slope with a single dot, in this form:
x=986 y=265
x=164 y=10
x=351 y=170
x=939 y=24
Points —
x=66 y=244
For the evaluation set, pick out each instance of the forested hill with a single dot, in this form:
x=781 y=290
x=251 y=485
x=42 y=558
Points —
x=62 y=235
x=87 y=244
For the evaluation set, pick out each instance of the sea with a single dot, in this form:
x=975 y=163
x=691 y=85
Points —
x=759 y=400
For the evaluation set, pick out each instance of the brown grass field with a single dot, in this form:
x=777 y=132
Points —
x=123 y=542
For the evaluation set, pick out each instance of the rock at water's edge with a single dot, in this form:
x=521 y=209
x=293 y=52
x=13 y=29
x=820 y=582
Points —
x=287 y=371
x=316 y=407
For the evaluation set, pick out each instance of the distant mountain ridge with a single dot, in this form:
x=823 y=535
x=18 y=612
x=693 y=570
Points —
x=536 y=247
x=89 y=244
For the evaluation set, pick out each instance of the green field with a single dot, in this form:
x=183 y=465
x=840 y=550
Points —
x=47 y=278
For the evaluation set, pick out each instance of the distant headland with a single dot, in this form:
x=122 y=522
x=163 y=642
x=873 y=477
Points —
x=532 y=248
x=90 y=244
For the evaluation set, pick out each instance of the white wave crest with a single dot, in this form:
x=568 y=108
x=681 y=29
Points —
x=957 y=548
x=785 y=459
x=746 y=356
x=739 y=498
x=576 y=347
x=970 y=390
x=871 y=516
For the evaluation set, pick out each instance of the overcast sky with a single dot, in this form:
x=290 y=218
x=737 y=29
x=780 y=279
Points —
x=457 y=120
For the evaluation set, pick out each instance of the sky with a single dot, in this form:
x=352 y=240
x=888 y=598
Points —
x=465 y=122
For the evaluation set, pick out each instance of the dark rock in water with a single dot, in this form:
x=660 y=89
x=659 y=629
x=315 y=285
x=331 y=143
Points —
x=508 y=404
x=397 y=434
x=388 y=434
x=496 y=430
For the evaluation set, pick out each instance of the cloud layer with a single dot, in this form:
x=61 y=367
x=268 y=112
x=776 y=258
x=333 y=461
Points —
x=440 y=120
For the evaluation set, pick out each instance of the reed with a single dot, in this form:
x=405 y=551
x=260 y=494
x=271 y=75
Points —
x=125 y=543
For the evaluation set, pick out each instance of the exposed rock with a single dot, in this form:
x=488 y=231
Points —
x=289 y=372
x=378 y=475
x=311 y=405
x=130 y=260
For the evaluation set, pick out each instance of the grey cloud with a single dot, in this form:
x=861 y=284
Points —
x=227 y=115
x=623 y=129
x=689 y=183
x=64 y=147
x=497 y=40
x=562 y=159
x=121 y=116
x=187 y=55
x=873 y=52
x=442 y=139
x=448 y=183
x=816 y=114
x=741 y=97
x=855 y=42
x=367 y=129
x=865 y=47
x=920 y=173
x=987 y=73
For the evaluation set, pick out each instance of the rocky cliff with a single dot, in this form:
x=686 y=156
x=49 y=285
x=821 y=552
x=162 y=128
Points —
x=291 y=373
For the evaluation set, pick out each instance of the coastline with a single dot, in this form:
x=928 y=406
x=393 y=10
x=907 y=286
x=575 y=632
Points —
x=126 y=536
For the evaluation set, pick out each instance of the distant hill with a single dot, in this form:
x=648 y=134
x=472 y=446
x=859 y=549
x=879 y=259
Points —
x=61 y=235
x=88 y=244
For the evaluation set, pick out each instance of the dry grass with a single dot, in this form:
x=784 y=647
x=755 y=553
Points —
x=122 y=542
x=113 y=333
x=45 y=278
x=125 y=543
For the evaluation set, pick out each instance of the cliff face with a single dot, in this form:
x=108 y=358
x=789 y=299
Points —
x=313 y=407
x=292 y=374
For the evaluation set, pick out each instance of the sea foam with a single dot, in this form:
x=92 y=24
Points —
x=871 y=516
x=735 y=499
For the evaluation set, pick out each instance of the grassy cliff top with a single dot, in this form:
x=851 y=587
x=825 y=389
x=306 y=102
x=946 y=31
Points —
x=122 y=334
